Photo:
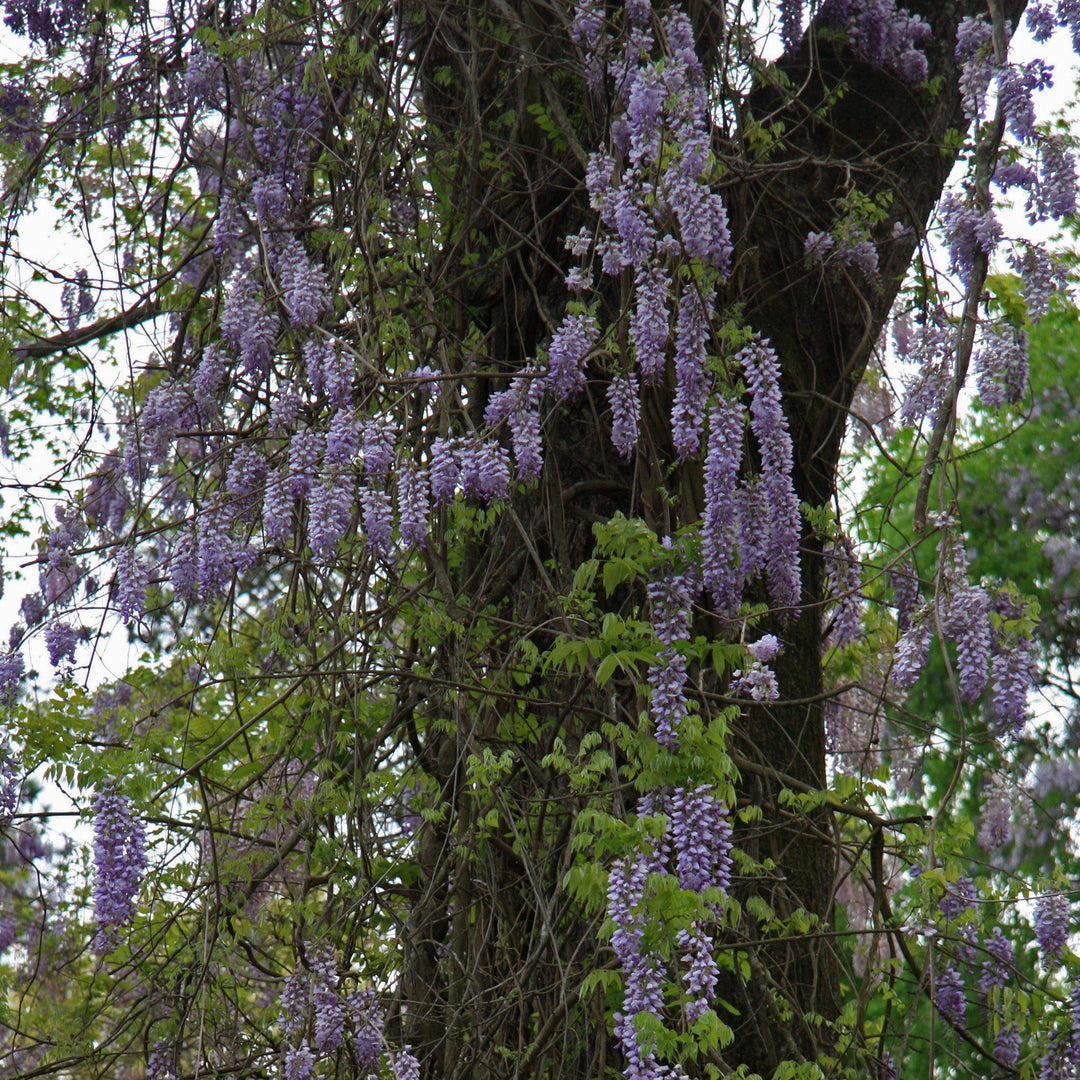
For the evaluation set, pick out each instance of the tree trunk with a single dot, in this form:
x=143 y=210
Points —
x=495 y=950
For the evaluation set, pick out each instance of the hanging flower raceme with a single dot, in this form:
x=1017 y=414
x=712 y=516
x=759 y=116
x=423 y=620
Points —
x=119 y=864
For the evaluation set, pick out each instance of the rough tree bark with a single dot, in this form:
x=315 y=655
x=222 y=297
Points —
x=494 y=950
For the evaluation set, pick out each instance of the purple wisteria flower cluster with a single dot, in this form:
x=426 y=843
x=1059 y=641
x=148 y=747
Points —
x=1041 y=164
x=1052 y=917
x=882 y=35
x=693 y=846
x=316 y=1016
x=992 y=636
x=119 y=864
x=844 y=573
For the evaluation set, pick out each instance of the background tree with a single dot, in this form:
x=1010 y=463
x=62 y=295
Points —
x=474 y=501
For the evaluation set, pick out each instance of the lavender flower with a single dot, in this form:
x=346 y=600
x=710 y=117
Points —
x=700 y=971
x=367 y=1024
x=1040 y=20
x=1007 y=1044
x=1011 y=676
x=1001 y=366
x=299 y=1062
x=413 y=506
x=911 y=653
x=404 y=1065
x=61 y=639
x=845 y=585
x=999 y=966
x=119 y=863
x=1016 y=86
x=303 y=286
x=575 y=337
x=380 y=439
x=329 y=370
x=691 y=377
x=12 y=669
x=343 y=442
x=10 y=787
x=378 y=521
x=445 y=471
x=670 y=598
x=277 y=509
x=216 y=556
x=974 y=50
x=782 y=522
x=132 y=580
x=1052 y=917
x=1074 y=1043
x=329 y=1008
x=905 y=586
x=722 y=575
x=967 y=232
x=329 y=514
x=623 y=396
x=701 y=837
x=292 y=1003
x=485 y=471
x=1056 y=193
x=995 y=827
x=966 y=621
x=249 y=326
x=757 y=681
x=882 y=35
x=949 y=996
x=649 y=322
x=304 y=449
x=791 y=16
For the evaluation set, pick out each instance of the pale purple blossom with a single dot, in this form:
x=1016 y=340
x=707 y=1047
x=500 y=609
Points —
x=624 y=397
x=691 y=371
x=719 y=550
x=845 y=589
x=758 y=682
x=649 y=322
x=249 y=324
x=911 y=652
x=445 y=471
x=403 y=1064
x=132 y=581
x=343 y=441
x=413 y=506
x=304 y=290
x=367 y=1025
x=119 y=864
x=329 y=1009
x=1001 y=366
x=701 y=839
x=378 y=521
x=995 y=824
x=60 y=640
x=882 y=35
x=277 y=509
x=567 y=354
x=781 y=522
x=329 y=513
x=1052 y=918
x=966 y=621
x=299 y=1062
x=949 y=996
x=305 y=448
x=380 y=441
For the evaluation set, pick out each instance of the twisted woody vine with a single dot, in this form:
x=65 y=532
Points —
x=509 y=583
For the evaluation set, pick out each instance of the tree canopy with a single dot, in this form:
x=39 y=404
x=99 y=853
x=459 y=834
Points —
x=553 y=527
